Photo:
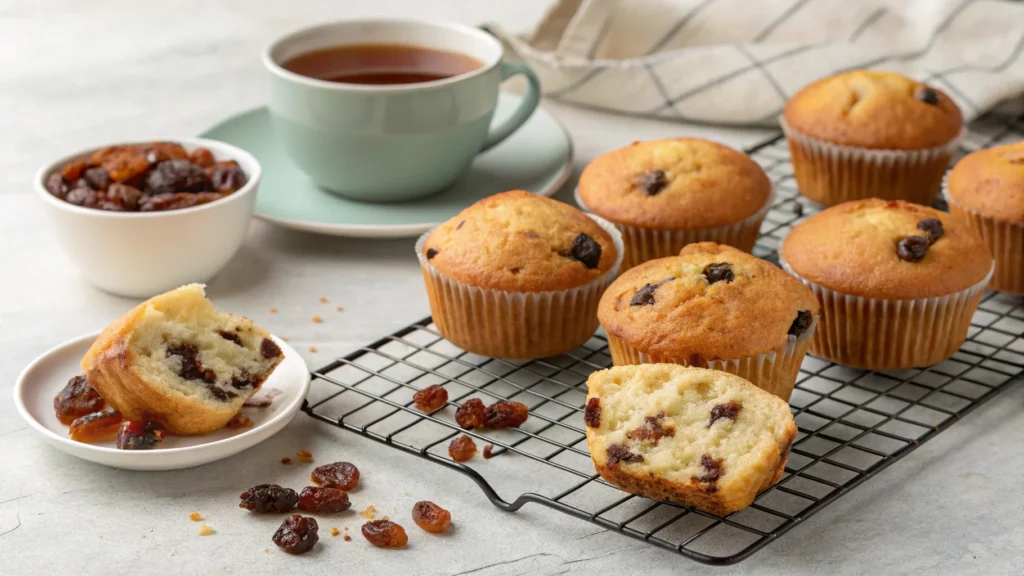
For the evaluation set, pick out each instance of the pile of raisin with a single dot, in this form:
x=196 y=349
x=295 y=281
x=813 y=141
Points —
x=342 y=475
x=140 y=435
x=151 y=177
x=297 y=534
x=77 y=399
x=95 y=427
x=431 y=517
x=323 y=500
x=385 y=534
x=268 y=498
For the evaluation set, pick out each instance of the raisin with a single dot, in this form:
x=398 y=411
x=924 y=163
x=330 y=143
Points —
x=176 y=175
x=191 y=368
x=431 y=252
x=801 y=323
x=619 y=453
x=95 y=427
x=342 y=475
x=74 y=170
x=57 y=185
x=462 y=448
x=586 y=250
x=909 y=249
x=125 y=195
x=227 y=179
x=122 y=164
x=719 y=272
x=653 y=182
x=592 y=415
x=77 y=399
x=431 y=517
x=140 y=435
x=728 y=410
x=85 y=197
x=712 y=472
x=488 y=451
x=220 y=393
x=430 y=398
x=506 y=414
x=651 y=430
x=156 y=152
x=927 y=95
x=261 y=402
x=269 y=349
x=230 y=336
x=297 y=534
x=385 y=534
x=239 y=421
x=98 y=178
x=268 y=498
x=176 y=201
x=111 y=206
x=471 y=414
x=244 y=380
x=323 y=500
x=202 y=157
x=644 y=296
x=932 y=227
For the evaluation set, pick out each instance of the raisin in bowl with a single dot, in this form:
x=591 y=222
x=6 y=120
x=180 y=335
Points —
x=140 y=218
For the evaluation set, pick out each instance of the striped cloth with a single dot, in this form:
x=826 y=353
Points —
x=738 y=61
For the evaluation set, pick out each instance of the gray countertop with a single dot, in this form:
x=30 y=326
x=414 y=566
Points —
x=79 y=73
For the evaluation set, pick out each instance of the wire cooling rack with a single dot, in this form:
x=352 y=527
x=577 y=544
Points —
x=852 y=423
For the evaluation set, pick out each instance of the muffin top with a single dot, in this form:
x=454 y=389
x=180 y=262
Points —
x=991 y=181
x=887 y=249
x=680 y=183
x=521 y=242
x=872 y=109
x=712 y=301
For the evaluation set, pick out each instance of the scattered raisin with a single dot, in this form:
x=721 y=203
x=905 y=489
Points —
x=202 y=157
x=336 y=475
x=653 y=182
x=712 y=472
x=263 y=401
x=125 y=195
x=801 y=323
x=431 y=517
x=927 y=95
x=227 y=179
x=592 y=415
x=268 y=498
x=176 y=201
x=728 y=410
x=77 y=399
x=462 y=448
x=297 y=534
x=57 y=185
x=488 y=451
x=909 y=249
x=586 y=250
x=430 y=398
x=95 y=427
x=651 y=430
x=506 y=414
x=304 y=456
x=471 y=414
x=932 y=227
x=269 y=349
x=85 y=197
x=74 y=170
x=385 y=534
x=239 y=421
x=140 y=435
x=719 y=272
x=619 y=453
x=97 y=177
x=431 y=252
x=323 y=500
x=176 y=175
x=644 y=296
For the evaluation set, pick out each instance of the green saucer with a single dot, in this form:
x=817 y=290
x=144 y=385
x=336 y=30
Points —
x=537 y=158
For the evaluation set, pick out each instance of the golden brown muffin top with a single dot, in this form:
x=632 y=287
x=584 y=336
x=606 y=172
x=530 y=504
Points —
x=991 y=181
x=521 y=242
x=887 y=249
x=680 y=183
x=712 y=301
x=871 y=109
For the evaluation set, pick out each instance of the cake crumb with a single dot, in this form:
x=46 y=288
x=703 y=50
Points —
x=266 y=550
x=370 y=513
x=394 y=509
x=405 y=494
x=169 y=554
x=312 y=349
x=273 y=310
x=347 y=537
x=340 y=309
x=323 y=299
x=317 y=319
x=304 y=456
x=239 y=421
x=335 y=531
x=206 y=530
x=285 y=338
x=286 y=461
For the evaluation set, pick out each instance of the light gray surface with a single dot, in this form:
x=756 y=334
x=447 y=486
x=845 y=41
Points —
x=79 y=73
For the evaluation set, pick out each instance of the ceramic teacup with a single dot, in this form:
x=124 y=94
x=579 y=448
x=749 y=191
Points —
x=391 y=142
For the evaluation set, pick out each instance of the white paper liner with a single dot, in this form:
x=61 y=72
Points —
x=643 y=244
x=774 y=371
x=1005 y=240
x=891 y=334
x=831 y=173
x=516 y=325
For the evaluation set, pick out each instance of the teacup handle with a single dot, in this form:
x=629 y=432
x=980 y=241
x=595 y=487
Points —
x=526 y=107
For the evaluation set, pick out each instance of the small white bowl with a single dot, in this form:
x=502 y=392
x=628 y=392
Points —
x=141 y=254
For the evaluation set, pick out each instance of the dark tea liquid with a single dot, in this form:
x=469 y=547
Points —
x=381 y=64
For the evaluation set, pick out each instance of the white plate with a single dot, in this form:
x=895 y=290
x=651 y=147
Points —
x=47 y=375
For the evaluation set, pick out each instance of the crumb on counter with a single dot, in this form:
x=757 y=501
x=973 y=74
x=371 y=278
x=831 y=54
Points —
x=304 y=456
x=273 y=310
x=169 y=554
x=312 y=349
x=335 y=531
x=317 y=319
x=347 y=537
x=323 y=299
x=286 y=461
x=369 y=513
x=196 y=517
x=285 y=338
x=206 y=530
x=340 y=309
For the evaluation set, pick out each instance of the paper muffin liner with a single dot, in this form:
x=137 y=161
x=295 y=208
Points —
x=643 y=244
x=891 y=334
x=516 y=325
x=1005 y=240
x=774 y=371
x=831 y=173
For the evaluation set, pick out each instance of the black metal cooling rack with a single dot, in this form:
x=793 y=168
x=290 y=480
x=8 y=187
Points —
x=852 y=423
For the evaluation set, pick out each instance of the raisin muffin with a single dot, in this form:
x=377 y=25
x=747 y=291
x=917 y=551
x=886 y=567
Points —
x=867 y=134
x=702 y=438
x=898 y=282
x=665 y=194
x=517 y=275
x=176 y=360
x=986 y=188
x=712 y=306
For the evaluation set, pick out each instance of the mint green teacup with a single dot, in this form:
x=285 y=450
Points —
x=391 y=142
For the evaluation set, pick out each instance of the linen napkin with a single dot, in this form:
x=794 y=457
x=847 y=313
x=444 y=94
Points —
x=738 y=61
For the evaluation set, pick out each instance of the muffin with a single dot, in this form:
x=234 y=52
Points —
x=702 y=438
x=712 y=306
x=866 y=134
x=518 y=275
x=898 y=282
x=986 y=188
x=666 y=194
